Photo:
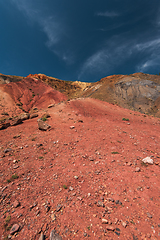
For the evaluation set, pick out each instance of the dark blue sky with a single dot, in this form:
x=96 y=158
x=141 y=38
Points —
x=79 y=39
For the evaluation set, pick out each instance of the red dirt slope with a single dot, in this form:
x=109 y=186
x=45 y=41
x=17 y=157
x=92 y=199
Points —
x=85 y=177
x=27 y=93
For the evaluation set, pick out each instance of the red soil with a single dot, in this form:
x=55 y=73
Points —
x=83 y=170
x=28 y=93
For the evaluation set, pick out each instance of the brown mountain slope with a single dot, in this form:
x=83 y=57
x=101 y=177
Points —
x=69 y=88
x=139 y=91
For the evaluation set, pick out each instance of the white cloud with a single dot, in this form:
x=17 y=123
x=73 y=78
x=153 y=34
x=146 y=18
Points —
x=107 y=14
x=106 y=59
x=116 y=52
x=52 y=26
x=150 y=45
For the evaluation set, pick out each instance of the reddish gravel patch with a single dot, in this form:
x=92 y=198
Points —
x=80 y=176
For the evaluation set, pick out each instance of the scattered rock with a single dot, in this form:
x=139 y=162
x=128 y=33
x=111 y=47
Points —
x=105 y=221
x=72 y=127
x=53 y=217
x=24 y=116
x=110 y=228
x=51 y=105
x=16 y=121
x=4 y=125
x=7 y=150
x=137 y=169
x=33 y=115
x=124 y=224
x=41 y=237
x=100 y=204
x=16 y=204
x=54 y=235
x=76 y=177
x=14 y=229
x=149 y=215
x=45 y=115
x=91 y=158
x=42 y=125
x=59 y=207
x=147 y=160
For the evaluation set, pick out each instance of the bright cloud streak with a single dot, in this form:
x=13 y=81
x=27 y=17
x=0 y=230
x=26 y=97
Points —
x=51 y=26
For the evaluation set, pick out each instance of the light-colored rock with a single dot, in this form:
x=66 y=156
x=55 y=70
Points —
x=110 y=228
x=54 y=235
x=51 y=105
x=105 y=221
x=33 y=115
x=14 y=229
x=42 y=125
x=137 y=169
x=24 y=116
x=41 y=237
x=124 y=224
x=147 y=160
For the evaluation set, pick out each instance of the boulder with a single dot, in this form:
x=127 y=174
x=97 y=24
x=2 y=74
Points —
x=4 y=124
x=15 y=121
x=42 y=125
x=24 y=116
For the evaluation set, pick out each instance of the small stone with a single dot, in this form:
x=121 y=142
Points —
x=137 y=169
x=100 y=204
x=41 y=237
x=71 y=188
x=72 y=127
x=91 y=158
x=15 y=166
x=110 y=228
x=54 y=235
x=76 y=177
x=51 y=105
x=59 y=207
x=147 y=160
x=14 y=229
x=7 y=150
x=105 y=221
x=149 y=215
x=16 y=204
x=53 y=217
x=124 y=224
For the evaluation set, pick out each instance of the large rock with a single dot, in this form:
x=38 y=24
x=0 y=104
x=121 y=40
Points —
x=24 y=116
x=42 y=125
x=15 y=121
x=54 y=235
x=4 y=124
x=15 y=228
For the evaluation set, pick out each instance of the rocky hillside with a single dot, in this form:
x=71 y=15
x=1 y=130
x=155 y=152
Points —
x=138 y=92
x=76 y=167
